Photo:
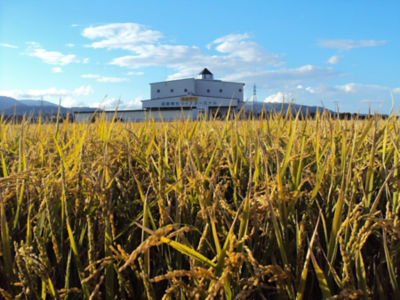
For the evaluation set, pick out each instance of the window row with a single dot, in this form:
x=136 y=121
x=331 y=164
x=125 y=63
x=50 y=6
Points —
x=185 y=90
x=187 y=103
x=171 y=90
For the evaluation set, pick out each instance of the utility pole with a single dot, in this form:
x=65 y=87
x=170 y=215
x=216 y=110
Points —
x=254 y=97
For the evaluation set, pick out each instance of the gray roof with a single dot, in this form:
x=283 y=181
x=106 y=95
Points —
x=205 y=72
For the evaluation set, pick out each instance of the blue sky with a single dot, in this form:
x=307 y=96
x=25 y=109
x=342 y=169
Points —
x=100 y=53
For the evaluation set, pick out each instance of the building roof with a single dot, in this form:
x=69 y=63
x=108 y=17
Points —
x=205 y=72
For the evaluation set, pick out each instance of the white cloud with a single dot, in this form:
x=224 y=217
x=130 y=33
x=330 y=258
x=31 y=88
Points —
x=278 y=98
x=158 y=55
x=113 y=103
x=348 y=88
x=189 y=60
x=135 y=73
x=52 y=57
x=135 y=103
x=333 y=60
x=396 y=90
x=372 y=101
x=90 y=76
x=235 y=52
x=83 y=90
x=284 y=78
x=238 y=45
x=350 y=97
x=8 y=46
x=69 y=101
x=108 y=103
x=121 y=35
x=70 y=45
x=353 y=88
x=51 y=94
x=100 y=78
x=56 y=70
x=112 y=79
x=350 y=44
x=307 y=89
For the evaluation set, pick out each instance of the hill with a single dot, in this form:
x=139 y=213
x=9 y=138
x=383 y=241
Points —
x=13 y=107
x=8 y=102
x=38 y=103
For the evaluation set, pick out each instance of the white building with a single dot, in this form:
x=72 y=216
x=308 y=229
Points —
x=203 y=95
x=188 y=98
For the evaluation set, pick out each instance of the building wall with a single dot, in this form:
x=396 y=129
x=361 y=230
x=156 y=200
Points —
x=182 y=102
x=217 y=88
x=198 y=87
x=172 y=88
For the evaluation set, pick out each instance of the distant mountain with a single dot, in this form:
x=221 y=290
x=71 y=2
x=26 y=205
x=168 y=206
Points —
x=38 y=103
x=33 y=110
x=10 y=107
x=259 y=107
x=8 y=102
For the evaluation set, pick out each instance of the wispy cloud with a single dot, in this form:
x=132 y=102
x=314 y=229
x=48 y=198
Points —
x=352 y=96
x=100 y=78
x=121 y=35
x=113 y=103
x=49 y=93
x=240 y=46
x=278 y=98
x=235 y=54
x=333 y=60
x=56 y=70
x=231 y=53
x=8 y=46
x=345 y=45
x=52 y=57
x=285 y=78
x=131 y=73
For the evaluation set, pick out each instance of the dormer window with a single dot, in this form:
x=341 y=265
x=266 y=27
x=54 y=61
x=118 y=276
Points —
x=172 y=90
x=208 y=90
x=185 y=90
x=220 y=90
x=158 y=91
x=240 y=90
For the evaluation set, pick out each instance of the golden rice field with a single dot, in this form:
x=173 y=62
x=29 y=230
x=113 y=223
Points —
x=261 y=209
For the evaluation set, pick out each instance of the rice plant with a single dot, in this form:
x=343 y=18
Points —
x=280 y=208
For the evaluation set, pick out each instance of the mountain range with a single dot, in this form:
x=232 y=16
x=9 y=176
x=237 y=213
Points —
x=13 y=107
x=278 y=107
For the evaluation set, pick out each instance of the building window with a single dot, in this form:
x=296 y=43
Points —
x=240 y=90
x=172 y=90
x=220 y=90
x=208 y=90
x=185 y=90
x=158 y=91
